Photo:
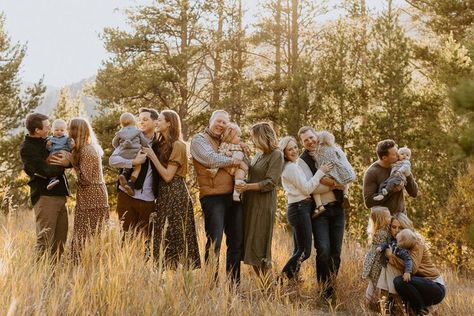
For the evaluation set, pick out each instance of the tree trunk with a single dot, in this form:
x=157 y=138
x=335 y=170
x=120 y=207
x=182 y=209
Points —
x=184 y=69
x=277 y=90
x=216 y=88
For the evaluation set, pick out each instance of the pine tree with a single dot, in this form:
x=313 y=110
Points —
x=68 y=107
x=15 y=104
x=158 y=63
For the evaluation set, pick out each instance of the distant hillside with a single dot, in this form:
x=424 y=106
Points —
x=51 y=97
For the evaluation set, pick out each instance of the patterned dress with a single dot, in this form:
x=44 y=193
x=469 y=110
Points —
x=174 y=217
x=342 y=171
x=260 y=208
x=373 y=259
x=92 y=207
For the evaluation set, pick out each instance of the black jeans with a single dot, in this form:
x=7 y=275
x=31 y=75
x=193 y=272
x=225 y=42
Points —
x=328 y=231
x=299 y=217
x=419 y=292
x=222 y=214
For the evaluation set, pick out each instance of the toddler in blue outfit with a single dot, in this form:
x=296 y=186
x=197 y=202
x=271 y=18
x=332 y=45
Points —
x=57 y=142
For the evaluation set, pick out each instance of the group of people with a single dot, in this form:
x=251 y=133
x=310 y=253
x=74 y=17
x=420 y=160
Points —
x=238 y=197
x=398 y=265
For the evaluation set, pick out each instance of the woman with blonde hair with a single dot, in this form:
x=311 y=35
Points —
x=426 y=286
x=174 y=229
x=298 y=191
x=260 y=197
x=92 y=207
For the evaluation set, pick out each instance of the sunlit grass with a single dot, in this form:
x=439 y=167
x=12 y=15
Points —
x=115 y=278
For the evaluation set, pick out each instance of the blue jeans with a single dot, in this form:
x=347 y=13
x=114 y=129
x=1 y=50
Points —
x=299 y=217
x=328 y=232
x=222 y=214
x=419 y=292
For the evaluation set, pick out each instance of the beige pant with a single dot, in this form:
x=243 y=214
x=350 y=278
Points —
x=387 y=275
x=51 y=224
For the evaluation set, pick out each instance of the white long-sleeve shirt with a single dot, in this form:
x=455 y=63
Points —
x=327 y=196
x=297 y=187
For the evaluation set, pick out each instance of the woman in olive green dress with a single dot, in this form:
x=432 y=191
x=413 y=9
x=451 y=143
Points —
x=260 y=198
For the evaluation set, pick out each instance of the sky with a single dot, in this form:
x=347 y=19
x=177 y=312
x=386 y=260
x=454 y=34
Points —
x=62 y=36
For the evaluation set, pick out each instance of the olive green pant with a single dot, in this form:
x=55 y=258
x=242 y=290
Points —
x=51 y=224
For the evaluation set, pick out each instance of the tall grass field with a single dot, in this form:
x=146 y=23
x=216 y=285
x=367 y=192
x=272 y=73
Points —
x=114 y=278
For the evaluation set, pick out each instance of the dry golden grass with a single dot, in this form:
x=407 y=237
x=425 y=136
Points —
x=116 y=280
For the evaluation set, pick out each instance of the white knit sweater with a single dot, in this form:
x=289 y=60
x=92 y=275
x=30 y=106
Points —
x=295 y=184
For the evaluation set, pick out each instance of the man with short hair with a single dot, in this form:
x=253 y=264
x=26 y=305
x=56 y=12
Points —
x=49 y=205
x=134 y=211
x=328 y=228
x=221 y=212
x=378 y=172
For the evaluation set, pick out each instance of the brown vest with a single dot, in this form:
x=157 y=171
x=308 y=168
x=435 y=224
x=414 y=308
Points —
x=222 y=183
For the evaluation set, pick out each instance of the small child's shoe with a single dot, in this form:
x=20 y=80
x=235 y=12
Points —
x=126 y=185
x=236 y=196
x=378 y=197
x=318 y=211
x=52 y=183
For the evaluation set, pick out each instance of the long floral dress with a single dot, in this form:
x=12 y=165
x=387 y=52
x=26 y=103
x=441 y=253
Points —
x=174 y=217
x=92 y=207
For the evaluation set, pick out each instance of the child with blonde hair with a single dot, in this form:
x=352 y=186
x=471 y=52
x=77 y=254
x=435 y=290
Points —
x=230 y=146
x=405 y=241
x=56 y=143
x=378 y=235
x=342 y=173
x=128 y=142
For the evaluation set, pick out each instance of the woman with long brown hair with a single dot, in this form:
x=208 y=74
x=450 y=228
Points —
x=260 y=197
x=174 y=231
x=92 y=207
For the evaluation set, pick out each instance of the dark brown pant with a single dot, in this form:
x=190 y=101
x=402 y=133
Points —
x=51 y=224
x=134 y=213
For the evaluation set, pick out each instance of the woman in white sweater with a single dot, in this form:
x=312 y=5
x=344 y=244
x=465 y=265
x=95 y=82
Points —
x=298 y=191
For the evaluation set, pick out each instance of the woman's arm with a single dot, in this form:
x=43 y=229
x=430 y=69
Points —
x=272 y=176
x=416 y=255
x=166 y=173
x=297 y=178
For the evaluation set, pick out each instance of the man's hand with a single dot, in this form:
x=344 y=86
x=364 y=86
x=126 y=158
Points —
x=406 y=276
x=139 y=159
x=397 y=188
x=245 y=148
x=236 y=162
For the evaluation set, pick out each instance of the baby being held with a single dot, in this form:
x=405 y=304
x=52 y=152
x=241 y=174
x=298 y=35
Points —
x=59 y=141
x=398 y=175
x=128 y=142
x=405 y=241
x=342 y=173
x=230 y=146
